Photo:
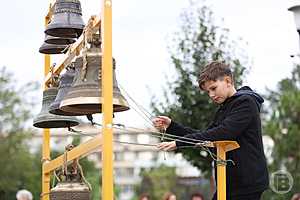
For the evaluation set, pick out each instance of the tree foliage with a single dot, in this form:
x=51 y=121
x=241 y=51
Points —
x=157 y=181
x=19 y=168
x=198 y=42
x=283 y=126
x=162 y=179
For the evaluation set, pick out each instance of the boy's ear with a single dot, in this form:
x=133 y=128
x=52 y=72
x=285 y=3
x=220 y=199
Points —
x=228 y=80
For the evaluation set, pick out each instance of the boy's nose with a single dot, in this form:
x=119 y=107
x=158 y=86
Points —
x=211 y=95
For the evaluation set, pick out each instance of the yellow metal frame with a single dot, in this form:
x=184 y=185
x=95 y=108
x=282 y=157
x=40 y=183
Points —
x=222 y=147
x=81 y=150
x=86 y=148
x=107 y=93
x=104 y=142
x=46 y=134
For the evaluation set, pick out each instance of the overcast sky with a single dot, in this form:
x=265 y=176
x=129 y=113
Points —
x=141 y=29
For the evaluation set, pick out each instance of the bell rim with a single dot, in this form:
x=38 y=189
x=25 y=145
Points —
x=39 y=121
x=60 y=112
x=43 y=49
x=66 y=105
x=73 y=32
x=56 y=124
x=55 y=110
x=60 y=41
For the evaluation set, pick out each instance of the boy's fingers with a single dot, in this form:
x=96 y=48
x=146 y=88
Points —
x=166 y=146
x=157 y=121
x=162 y=145
x=160 y=118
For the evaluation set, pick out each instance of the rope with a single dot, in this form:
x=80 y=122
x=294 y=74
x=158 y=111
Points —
x=200 y=144
x=44 y=194
x=137 y=104
x=55 y=175
x=134 y=143
x=149 y=120
x=146 y=113
x=155 y=133
x=147 y=116
x=163 y=134
x=83 y=177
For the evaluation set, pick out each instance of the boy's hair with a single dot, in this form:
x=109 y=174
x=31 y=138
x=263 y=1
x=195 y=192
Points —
x=197 y=195
x=214 y=71
x=147 y=196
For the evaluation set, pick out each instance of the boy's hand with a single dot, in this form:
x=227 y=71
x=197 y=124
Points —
x=167 y=146
x=161 y=122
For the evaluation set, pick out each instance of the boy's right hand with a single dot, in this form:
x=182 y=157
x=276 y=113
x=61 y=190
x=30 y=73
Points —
x=161 y=122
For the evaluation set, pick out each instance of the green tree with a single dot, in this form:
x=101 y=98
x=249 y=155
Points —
x=199 y=41
x=283 y=126
x=157 y=181
x=19 y=168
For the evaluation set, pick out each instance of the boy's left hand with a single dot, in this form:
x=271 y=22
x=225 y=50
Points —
x=167 y=146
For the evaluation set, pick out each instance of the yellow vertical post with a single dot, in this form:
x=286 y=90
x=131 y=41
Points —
x=107 y=107
x=222 y=148
x=221 y=171
x=46 y=136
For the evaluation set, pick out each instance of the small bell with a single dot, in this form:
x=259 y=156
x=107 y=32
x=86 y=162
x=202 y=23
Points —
x=69 y=190
x=47 y=120
x=67 y=19
x=72 y=185
x=65 y=83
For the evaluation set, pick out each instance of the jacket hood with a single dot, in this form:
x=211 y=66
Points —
x=248 y=91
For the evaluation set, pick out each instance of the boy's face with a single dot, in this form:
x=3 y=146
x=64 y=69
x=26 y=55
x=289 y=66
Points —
x=219 y=90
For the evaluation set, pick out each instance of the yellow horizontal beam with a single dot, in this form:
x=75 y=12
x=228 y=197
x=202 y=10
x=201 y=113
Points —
x=226 y=144
x=74 y=49
x=81 y=150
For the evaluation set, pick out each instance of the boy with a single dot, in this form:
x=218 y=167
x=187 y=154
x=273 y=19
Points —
x=238 y=119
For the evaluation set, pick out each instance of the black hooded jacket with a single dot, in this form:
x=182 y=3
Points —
x=237 y=119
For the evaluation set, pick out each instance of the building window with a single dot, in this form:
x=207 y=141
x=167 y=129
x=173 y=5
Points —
x=145 y=156
x=129 y=156
x=143 y=138
x=119 y=156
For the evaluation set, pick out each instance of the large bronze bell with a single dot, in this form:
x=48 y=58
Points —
x=47 y=120
x=65 y=83
x=85 y=96
x=67 y=19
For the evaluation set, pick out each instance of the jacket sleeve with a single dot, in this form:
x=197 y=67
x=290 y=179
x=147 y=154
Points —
x=179 y=130
x=234 y=124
